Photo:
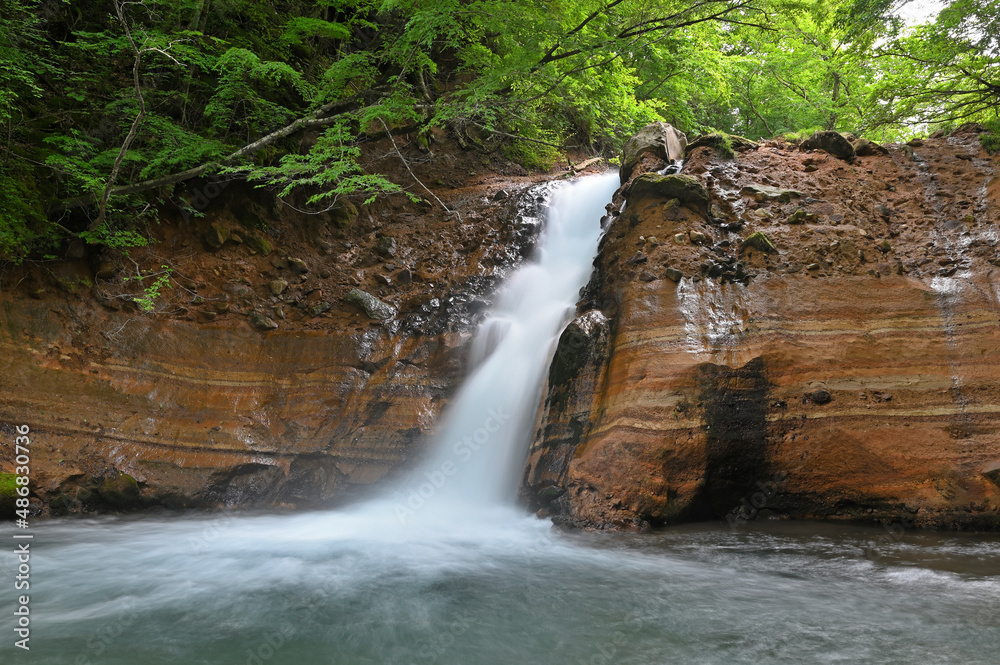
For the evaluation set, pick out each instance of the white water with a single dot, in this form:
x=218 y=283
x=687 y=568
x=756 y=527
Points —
x=481 y=445
x=465 y=579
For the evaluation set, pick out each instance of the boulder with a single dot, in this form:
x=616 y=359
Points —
x=686 y=189
x=385 y=247
x=864 y=148
x=831 y=142
x=673 y=274
x=298 y=265
x=370 y=305
x=216 y=235
x=659 y=138
x=258 y=244
x=760 y=242
x=277 y=287
x=121 y=492
x=726 y=144
x=261 y=322
x=344 y=213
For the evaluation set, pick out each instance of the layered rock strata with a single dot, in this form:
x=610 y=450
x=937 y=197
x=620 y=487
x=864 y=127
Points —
x=820 y=341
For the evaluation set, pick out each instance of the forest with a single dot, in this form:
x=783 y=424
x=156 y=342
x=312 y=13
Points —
x=107 y=108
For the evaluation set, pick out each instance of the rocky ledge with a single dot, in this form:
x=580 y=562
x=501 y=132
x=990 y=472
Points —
x=796 y=331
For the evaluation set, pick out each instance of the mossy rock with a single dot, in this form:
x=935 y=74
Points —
x=259 y=245
x=121 y=492
x=760 y=242
x=727 y=145
x=686 y=189
x=8 y=493
x=344 y=214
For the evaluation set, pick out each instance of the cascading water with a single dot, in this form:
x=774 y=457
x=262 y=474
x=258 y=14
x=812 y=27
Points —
x=465 y=579
x=481 y=445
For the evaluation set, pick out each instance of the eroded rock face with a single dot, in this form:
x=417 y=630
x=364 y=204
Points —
x=256 y=381
x=852 y=373
x=658 y=141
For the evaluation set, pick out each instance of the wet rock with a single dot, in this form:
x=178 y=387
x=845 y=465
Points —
x=658 y=138
x=298 y=265
x=885 y=247
x=383 y=280
x=759 y=241
x=831 y=142
x=673 y=274
x=725 y=144
x=819 y=396
x=802 y=216
x=686 y=189
x=345 y=213
x=320 y=308
x=646 y=276
x=637 y=258
x=404 y=276
x=258 y=245
x=762 y=193
x=277 y=287
x=500 y=195
x=121 y=492
x=812 y=266
x=866 y=148
x=372 y=306
x=216 y=235
x=261 y=322
x=385 y=247
x=699 y=238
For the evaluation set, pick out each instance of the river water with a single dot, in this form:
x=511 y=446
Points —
x=446 y=570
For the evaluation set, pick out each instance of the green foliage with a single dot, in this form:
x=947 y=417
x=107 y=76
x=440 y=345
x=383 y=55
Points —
x=991 y=139
x=151 y=292
x=523 y=78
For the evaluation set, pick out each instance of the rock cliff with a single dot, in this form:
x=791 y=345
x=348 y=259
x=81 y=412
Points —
x=807 y=333
x=286 y=359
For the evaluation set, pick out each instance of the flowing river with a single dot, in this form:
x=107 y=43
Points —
x=447 y=570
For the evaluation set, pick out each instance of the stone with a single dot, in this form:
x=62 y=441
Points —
x=258 y=245
x=404 y=276
x=277 y=287
x=992 y=472
x=885 y=247
x=658 y=138
x=385 y=247
x=761 y=193
x=216 y=235
x=236 y=238
x=646 y=276
x=812 y=266
x=680 y=238
x=370 y=305
x=866 y=148
x=261 y=322
x=699 y=238
x=320 y=308
x=725 y=144
x=500 y=195
x=686 y=189
x=279 y=262
x=121 y=492
x=801 y=216
x=298 y=265
x=673 y=274
x=344 y=214
x=759 y=241
x=832 y=142
x=819 y=396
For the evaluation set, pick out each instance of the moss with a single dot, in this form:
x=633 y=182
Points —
x=259 y=245
x=8 y=493
x=760 y=242
x=121 y=492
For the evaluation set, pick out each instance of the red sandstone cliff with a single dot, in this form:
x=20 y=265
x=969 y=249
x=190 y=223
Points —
x=841 y=363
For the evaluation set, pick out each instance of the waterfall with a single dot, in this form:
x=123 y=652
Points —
x=481 y=444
